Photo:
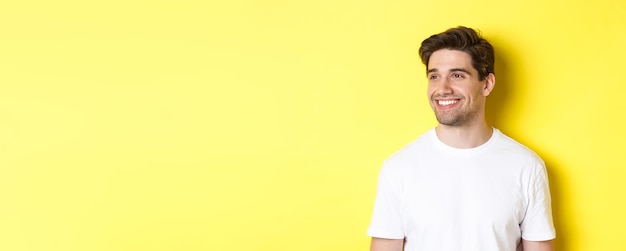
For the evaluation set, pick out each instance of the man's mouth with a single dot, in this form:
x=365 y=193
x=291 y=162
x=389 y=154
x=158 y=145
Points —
x=447 y=102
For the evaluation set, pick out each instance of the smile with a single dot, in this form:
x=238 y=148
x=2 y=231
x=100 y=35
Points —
x=447 y=102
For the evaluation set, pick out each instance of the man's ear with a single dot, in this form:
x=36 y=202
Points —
x=490 y=83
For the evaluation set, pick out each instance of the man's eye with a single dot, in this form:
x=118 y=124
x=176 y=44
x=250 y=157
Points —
x=456 y=75
x=433 y=77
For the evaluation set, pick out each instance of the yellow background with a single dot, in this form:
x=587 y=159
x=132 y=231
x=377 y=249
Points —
x=261 y=125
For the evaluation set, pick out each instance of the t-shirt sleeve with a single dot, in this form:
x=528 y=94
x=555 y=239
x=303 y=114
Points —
x=537 y=224
x=387 y=219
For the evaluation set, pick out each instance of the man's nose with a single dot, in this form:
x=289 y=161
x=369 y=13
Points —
x=443 y=87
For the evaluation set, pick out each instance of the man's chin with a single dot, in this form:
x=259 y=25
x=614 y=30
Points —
x=447 y=121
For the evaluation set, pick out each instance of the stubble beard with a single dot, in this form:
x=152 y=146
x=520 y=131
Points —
x=455 y=118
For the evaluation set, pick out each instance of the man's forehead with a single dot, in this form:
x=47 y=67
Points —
x=447 y=60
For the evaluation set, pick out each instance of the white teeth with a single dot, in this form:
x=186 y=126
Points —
x=447 y=102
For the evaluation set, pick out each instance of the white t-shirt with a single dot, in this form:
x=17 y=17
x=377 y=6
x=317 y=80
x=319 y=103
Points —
x=437 y=197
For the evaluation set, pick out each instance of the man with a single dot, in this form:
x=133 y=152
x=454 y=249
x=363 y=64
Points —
x=462 y=185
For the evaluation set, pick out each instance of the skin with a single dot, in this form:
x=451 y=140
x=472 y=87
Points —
x=380 y=244
x=452 y=78
x=458 y=99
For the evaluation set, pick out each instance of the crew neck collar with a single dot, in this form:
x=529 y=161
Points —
x=463 y=151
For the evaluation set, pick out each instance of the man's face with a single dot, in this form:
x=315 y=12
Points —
x=456 y=95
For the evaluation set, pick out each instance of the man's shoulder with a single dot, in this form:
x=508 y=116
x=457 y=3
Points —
x=411 y=151
x=511 y=147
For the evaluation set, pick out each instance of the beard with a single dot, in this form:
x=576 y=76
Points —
x=458 y=118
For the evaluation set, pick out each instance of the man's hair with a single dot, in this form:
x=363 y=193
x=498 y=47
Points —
x=461 y=39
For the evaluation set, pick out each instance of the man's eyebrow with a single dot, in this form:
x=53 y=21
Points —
x=452 y=70
x=461 y=70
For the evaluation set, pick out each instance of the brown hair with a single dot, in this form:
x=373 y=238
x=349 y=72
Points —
x=462 y=39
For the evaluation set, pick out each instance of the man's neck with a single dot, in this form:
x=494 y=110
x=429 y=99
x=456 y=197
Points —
x=464 y=137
